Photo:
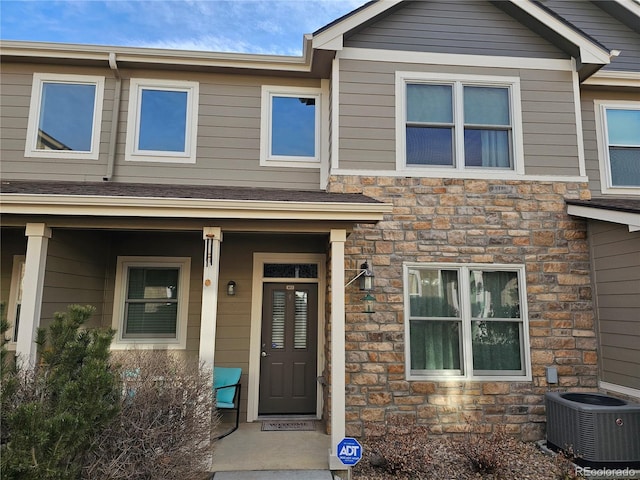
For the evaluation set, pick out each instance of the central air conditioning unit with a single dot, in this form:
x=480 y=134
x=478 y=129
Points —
x=599 y=428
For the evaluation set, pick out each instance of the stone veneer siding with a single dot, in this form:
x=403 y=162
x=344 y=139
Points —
x=468 y=221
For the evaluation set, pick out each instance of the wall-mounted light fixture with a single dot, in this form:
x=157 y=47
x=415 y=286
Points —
x=231 y=288
x=365 y=275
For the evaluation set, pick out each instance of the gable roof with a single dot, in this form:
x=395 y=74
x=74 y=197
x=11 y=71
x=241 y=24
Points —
x=590 y=54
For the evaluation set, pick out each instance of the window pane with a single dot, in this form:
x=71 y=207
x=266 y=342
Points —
x=496 y=345
x=494 y=294
x=290 y=270
x=293 y=126
x=429 y=146
x=163 y=121
x=151 y=319
x=429 y=103
x=625 y=166
x=623 y=127
x=486 y=148
x=435 y=345
x=66 y=117
x=153 y=283
x=486 y=106
x=301 y=320
x=277 y=319
x=436 y=295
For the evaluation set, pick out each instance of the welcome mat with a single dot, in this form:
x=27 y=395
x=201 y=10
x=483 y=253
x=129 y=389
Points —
x=288 y=425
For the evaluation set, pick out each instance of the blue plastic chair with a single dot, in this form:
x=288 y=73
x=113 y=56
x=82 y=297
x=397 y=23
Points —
x=226 y=388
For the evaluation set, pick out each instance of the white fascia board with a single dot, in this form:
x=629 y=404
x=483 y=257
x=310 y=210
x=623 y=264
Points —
x=399 y=56
x=589 y=52
x=189 y=208
x=611 y=78
x=331 y=38
x=632 y=220
x=158 y=56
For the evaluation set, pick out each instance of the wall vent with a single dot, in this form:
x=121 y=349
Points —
x=600 y=428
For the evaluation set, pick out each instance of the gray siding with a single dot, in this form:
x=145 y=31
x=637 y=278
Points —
x=464 y=27
x=616 y=263
x=610 y=32
x=588 y=96
x=228 y=145
x=367 y=115
x=74 y=273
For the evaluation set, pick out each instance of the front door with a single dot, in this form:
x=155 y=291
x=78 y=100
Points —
x=288 y=365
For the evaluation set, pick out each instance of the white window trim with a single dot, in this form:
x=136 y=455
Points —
x=459 y=169
x=14 y=290
x=120 y=295
x=132 y=153
x=34 y=115
x=602 y=137
x=467 y=360
x=268 y=160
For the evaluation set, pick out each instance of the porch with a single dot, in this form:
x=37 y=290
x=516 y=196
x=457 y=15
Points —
x=250 y=449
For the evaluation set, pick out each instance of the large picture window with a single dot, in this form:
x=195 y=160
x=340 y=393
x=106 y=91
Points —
x=290 y=130
x=618 y=125
x=466 y=321
x=458 y=122
x=151 y=300
x=162 y=122
x=64 y=116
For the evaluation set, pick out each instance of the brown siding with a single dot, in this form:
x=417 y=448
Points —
x=616 y=264
x=228 y=146
x=464 y=27
x=367 y=115
x=74 y=273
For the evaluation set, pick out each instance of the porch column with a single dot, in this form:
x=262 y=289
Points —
x=38 y=235
x=212 y=237
x=337 y=239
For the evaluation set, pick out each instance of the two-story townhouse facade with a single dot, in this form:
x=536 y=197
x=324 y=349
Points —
x=221 y=205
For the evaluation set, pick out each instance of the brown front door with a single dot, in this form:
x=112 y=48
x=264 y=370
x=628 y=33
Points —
x=289 y=349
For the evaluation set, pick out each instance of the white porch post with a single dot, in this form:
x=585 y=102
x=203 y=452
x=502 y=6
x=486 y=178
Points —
x=212 y=237
x=337 y=239
x=38 y=235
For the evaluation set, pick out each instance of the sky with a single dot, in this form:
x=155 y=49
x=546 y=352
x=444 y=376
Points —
x=243 y=26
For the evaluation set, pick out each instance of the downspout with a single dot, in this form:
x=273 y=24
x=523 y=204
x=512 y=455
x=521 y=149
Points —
x=115 y=113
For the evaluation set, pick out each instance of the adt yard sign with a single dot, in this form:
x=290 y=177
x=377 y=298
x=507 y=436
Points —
x=349 y=451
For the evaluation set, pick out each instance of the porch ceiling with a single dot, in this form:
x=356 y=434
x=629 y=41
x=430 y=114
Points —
x=185 y=201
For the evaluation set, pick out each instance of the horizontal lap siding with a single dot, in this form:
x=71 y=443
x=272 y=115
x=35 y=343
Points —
x=464 y=27
x=616 y=259
x=367 y=115
x=589 y=130
x=74 y=273
x=610 y=32
x=228 y=145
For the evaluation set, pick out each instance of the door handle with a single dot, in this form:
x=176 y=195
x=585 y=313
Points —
x=265 y=354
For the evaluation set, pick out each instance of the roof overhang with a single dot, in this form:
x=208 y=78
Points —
x=310 y=63
x=607 y=212
x=73 y=205
x=612 y=78
x=590 y=55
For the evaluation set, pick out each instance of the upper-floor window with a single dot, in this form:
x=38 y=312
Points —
x=458 y=122
x=290 y=130
x=618 y=128
x=151 y=301
x=65 y=116
x=162 y=121
x=466 y=321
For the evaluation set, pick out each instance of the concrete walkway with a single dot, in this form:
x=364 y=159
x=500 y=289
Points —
x=275 y=475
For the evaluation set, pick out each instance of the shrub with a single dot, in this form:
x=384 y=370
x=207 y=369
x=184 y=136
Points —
x=55 y=410
x=486 y=453
x=165 y=422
